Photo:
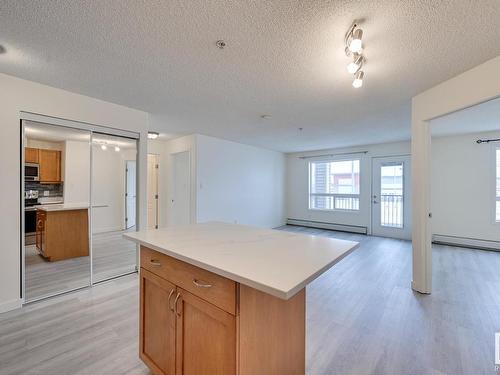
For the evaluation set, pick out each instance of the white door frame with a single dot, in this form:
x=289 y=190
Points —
x=126 y=194
x=156 y=203
x=473 y=87
x=402 y=233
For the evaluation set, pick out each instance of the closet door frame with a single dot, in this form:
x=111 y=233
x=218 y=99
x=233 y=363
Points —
x=82 y=126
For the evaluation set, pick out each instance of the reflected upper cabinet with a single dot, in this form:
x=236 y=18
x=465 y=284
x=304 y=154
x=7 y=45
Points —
x=31 y=155
x=49 y=162
x=50 y=166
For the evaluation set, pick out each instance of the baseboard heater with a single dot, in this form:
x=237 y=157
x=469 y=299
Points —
x=330 y=226
x=474 y=243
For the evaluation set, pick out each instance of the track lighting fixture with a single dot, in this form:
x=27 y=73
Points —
x=153 y=135
x=354 y=46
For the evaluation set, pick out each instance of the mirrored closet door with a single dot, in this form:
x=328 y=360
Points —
x=114 y=201
x=56 y=169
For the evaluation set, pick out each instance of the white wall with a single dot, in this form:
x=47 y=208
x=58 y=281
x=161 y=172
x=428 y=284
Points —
x=108 y=188
x=241 y=184
x=18 y=95
x=463 y=187
x=297 y=184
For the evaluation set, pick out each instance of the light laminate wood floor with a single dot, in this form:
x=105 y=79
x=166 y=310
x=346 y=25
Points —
x=113 y=255
x=362 y=318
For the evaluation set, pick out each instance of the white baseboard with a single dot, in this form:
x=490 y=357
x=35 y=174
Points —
x=466 y=242
x=11 y=305
x=330 y=226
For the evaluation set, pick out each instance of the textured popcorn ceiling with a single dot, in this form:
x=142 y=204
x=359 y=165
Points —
x=283 y=58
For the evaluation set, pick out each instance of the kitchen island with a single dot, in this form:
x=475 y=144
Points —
x=220 y=298
x=62 y=231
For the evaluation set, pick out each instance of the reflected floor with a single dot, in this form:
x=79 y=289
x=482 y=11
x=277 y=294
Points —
x=113 y=255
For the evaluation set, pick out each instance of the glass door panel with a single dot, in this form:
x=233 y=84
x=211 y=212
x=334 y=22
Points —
x=391 y=197
x=114 y=181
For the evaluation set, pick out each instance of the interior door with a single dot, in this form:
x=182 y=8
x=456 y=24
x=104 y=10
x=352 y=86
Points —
x=200 y=325
x=391 y=197
x=130 y=193
x=181 y=189
x=152 y=191
x=157 y=323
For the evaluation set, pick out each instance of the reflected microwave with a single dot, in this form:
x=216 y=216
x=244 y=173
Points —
x=31 y=172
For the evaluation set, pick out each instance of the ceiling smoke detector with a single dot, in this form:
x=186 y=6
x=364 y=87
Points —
x=221 y=44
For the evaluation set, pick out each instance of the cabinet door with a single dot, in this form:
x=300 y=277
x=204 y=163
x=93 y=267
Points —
x=50 y=165
x=157 y=324
x=206 y=338
x=31 y=155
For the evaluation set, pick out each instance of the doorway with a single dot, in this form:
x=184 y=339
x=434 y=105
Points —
x=391 y=184
x=181 y=189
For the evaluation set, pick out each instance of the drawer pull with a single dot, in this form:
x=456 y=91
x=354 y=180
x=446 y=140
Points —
x=201 y=285
x=155 y=262
x=169 y=297
x=175 y=304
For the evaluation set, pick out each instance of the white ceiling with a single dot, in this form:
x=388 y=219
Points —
x=284 y=58
x=484 y=117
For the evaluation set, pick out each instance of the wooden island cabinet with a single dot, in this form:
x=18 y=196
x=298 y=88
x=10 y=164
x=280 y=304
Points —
x=227 y=299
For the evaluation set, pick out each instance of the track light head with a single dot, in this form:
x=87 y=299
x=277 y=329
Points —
x=356 y=45
x=358 y=79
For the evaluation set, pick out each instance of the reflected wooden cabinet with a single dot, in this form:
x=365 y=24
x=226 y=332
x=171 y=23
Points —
x=50 y=166
x=31 y=155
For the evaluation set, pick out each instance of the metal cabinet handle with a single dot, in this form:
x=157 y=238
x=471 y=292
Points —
x=201 y=285
x=175 y=304
x=169 y=297
x=155 y=262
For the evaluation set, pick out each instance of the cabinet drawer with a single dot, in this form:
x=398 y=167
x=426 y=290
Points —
x=213 y=288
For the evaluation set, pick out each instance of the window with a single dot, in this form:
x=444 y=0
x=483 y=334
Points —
x=334 y=185
x=497 y=216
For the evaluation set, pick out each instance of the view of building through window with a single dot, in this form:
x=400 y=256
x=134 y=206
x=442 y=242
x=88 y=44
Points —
x=334 y=185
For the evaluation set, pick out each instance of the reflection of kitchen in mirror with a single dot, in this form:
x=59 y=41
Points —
x=56 y=199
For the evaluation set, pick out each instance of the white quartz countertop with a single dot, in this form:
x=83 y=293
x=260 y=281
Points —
x=63 y=207
x=276 y=262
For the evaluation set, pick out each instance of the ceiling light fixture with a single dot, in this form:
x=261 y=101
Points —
x=356 y=64
x=153 y=135
x=104 y=147
x=358 y=79
x=117 y=148
x=354 y=46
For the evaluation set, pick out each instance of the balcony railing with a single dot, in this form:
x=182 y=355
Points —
x=391 y=210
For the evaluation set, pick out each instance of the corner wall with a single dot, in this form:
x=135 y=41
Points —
x=237 y=183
